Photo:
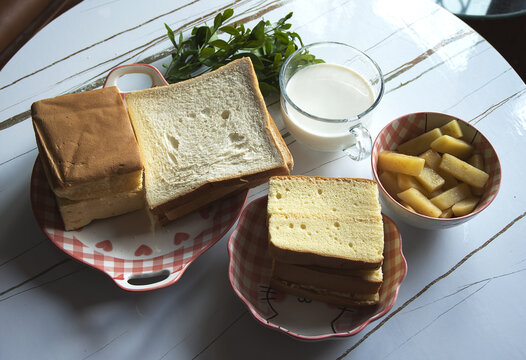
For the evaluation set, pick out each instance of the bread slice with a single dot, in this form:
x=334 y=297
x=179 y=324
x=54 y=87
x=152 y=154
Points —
x=353 y=281
x=78 y=213
x=209 y=132
x=333 y=297
x=86 y=144
x=330 y=222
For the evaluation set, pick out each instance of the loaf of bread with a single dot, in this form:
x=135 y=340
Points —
x=330 y=222
x=86 y=144
x=205 y=138
x=326 y=238
x=89 y=154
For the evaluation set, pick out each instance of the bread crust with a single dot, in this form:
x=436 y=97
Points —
x=330 y=279
x=307 y=258
x=86 y=141
x=203 y=192
x=309 y=178
x=192 y=206
x=357 y=300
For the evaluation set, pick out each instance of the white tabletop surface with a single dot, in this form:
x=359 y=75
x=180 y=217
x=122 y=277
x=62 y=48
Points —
x=463 y=295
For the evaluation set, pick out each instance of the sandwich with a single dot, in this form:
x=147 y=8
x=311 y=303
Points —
x=326 y=238
x=89 y=154
x=204 y=139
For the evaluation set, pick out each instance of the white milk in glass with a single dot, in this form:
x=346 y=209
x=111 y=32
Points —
x=328 y=91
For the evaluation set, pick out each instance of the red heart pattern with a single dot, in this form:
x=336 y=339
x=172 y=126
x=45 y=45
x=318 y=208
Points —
x=180 y=237
x=143 y=250
x=105 y=245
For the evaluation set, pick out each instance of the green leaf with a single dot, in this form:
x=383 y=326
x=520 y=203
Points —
x=171 y=35
x=220 y=44
x=259 y=31
x=206 y=52
x=218 y=21
x=230 y=30
x=227 y=14
x=290 y=49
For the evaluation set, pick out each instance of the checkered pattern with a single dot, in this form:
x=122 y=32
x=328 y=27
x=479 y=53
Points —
x=410 y=126
x=225 y=213
x=251 y=265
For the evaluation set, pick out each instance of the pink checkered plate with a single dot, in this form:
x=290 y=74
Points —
x=302 y=318
x=136 y=254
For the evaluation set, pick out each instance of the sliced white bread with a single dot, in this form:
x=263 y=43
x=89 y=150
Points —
x=209 y=132
x=330 y=222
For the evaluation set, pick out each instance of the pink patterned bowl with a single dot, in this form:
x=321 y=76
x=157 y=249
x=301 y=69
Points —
x=249 y=272
x=409 y=126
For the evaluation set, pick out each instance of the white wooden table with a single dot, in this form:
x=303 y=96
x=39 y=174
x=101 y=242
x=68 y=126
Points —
x=463 y=296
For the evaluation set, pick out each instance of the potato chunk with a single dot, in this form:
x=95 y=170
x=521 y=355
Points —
x=406 y=182
x=477 y=161
x=465 y=206
x=450 y=145
x=432 y=158
x=419 y=202
x=430 y=180
x=450 y=180
x=452 y=128
x=420 y=143
x=400 y=163
x=390 y=183
x=463 y=171
x=450 y=197
x=446 y=214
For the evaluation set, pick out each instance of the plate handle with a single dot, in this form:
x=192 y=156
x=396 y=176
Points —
x=148 y=281
x=116 y=73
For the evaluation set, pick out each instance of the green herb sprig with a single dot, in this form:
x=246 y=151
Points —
x=268 y=45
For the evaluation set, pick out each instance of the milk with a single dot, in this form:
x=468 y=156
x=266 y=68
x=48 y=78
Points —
x=327 y=91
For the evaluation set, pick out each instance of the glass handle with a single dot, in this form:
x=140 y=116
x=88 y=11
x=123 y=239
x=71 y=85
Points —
x=362 y=145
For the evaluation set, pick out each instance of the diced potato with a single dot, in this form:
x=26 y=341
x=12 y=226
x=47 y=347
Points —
x=477 y=161
x=446 y=214
x=432 y=158
x=434 y=193
x=450 y=197
x=465 y=206
x=390 y=183
x=400 y=163
x=419 y=202
x=430 y=180
x=406 y=182
x=450 y=180
x=463 y=171
x=452 y=128
x=420 y=143
x=407 y=206
x=450 y=145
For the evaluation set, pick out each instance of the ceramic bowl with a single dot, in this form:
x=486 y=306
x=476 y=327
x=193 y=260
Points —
x=409 y=126
x=302 y=318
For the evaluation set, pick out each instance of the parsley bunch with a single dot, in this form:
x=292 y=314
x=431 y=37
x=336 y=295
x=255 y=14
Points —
x=268 y=45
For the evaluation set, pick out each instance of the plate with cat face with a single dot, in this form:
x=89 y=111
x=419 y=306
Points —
x=250 y=270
